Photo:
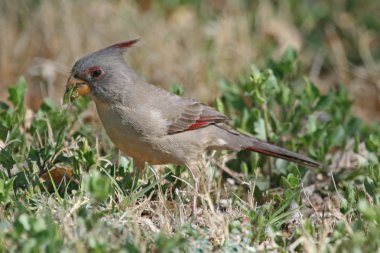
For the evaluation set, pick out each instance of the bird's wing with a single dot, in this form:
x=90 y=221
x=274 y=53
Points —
x=192 y=115
x=179 y=113
x=184 y=114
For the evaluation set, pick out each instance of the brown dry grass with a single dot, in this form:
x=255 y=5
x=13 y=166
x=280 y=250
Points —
x=41 y=39
x=173 y=50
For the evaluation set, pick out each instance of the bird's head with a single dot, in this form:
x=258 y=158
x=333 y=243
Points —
x=95 y=72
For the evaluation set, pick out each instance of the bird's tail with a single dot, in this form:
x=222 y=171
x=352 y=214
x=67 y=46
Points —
x=237 y=141
x=272 y=150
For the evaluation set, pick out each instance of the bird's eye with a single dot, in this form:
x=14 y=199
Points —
x=96 y=73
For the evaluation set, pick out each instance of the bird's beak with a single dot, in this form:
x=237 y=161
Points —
x=76 y=87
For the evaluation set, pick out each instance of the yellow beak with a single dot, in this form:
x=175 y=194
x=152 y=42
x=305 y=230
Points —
x=76 y=87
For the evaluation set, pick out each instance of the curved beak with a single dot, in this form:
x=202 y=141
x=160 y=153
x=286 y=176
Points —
x=75 y=88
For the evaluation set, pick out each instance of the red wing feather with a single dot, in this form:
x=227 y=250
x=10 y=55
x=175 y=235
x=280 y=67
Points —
x=202 y=122
x=195 y=116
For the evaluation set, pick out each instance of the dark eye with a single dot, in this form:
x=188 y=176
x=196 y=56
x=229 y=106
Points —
x=96 y=72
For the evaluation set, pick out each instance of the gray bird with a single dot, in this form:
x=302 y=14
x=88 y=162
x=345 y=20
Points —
x=154 y=126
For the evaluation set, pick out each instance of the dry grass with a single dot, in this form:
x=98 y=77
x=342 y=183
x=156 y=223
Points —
x=155 y=214
x=196 y=48
x=55 y=33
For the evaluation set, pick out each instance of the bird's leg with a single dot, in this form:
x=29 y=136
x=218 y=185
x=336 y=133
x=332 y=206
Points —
x=138 y=170
x=195 y=173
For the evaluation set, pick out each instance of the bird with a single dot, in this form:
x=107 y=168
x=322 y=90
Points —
x=152 y=125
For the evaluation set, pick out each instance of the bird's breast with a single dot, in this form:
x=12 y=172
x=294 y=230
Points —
x=133 y=133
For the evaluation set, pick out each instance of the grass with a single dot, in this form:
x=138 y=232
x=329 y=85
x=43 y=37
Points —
x=64 y=188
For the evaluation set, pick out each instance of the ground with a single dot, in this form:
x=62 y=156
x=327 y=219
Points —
x=65 y=188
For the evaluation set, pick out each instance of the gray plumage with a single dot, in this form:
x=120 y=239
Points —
x=152 y=125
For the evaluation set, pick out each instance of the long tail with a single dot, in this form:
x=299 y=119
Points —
x=237 y=141
x=272 y=150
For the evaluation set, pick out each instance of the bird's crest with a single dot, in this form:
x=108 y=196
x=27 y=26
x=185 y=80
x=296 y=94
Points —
x=125 y=44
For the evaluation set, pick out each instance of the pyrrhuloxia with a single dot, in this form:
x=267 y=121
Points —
x=152 y=125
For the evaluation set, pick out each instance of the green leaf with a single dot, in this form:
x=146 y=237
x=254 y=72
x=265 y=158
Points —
x=259 y=127
x=39 y=225
x=98 y=186
x=177 y=89
x=17 y=92
x=6 y=190
x=338 y=136
x=24 y=221
x=293 y=181
x=67 y=96
x=219 y=105
x=370 y=186
x=6 y=158
x=311 y=125
x=373 y=143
